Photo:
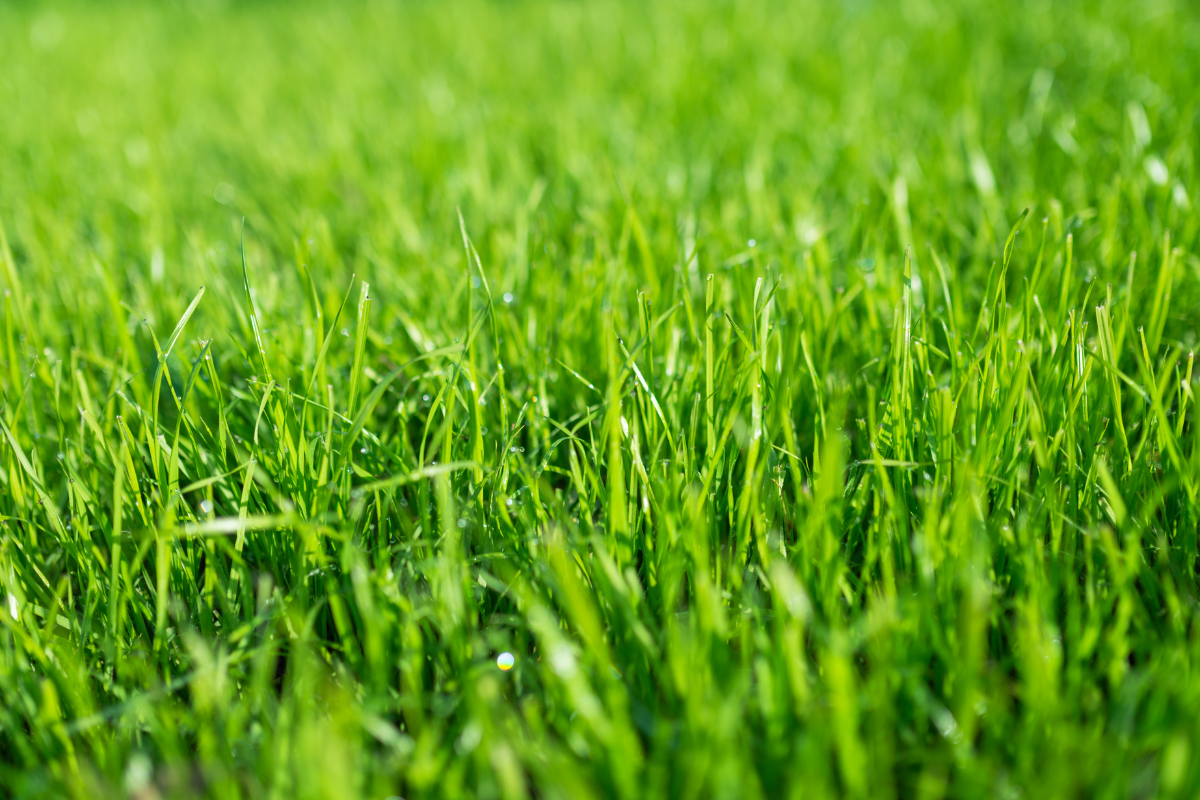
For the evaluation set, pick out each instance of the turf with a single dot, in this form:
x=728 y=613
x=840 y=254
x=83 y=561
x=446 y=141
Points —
x=802 y=394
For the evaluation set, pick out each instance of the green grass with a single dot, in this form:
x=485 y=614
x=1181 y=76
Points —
x=788 y=399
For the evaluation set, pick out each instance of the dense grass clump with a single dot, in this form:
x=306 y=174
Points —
x=802 y=393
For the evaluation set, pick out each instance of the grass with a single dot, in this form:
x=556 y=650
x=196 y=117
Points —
x=802 y=393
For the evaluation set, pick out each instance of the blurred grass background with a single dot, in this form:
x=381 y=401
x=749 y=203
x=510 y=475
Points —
x=786 y=512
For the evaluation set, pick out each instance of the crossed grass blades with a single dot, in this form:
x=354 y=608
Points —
x=804 y=396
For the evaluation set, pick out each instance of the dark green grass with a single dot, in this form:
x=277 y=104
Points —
x=804 y=395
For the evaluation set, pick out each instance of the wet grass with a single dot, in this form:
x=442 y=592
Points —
x=802 y=395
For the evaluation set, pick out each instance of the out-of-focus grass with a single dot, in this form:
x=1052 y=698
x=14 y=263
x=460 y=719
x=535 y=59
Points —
x=789 y=400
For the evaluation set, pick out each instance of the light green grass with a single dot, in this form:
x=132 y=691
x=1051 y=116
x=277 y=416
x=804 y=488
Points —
x=787 y=398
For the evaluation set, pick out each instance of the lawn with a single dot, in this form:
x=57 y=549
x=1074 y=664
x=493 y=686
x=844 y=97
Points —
x=552 y=399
